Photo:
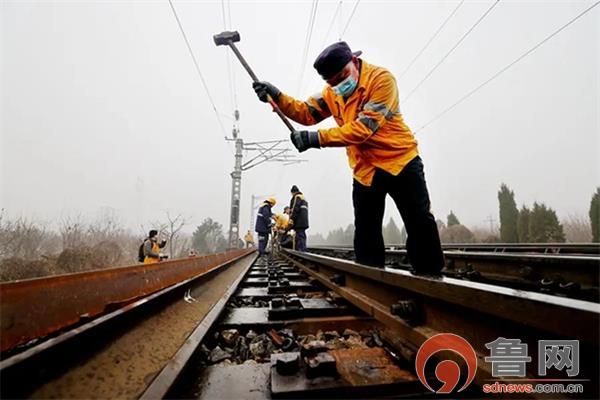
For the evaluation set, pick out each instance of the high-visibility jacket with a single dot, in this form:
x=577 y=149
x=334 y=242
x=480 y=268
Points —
x=299 y=213
x=263 y=218
x=249 y=238
x=151 y=252
x=370 y=124
x=282 y=221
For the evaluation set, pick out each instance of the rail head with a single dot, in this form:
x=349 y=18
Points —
x=34 y=308
x=538 y=310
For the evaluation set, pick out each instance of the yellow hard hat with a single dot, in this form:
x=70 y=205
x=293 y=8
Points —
x=272 y=201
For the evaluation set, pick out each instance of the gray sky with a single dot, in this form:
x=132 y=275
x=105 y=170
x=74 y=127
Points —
x=101 y=105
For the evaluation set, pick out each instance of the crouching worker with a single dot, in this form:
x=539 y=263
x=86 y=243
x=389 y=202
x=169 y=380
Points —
x=263 y=224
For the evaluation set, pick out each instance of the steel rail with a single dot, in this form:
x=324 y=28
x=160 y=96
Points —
x=546 y=248
x=478 y=312
x=35 y=308
x=170 y=373
x=44 y=362
x=576 y=276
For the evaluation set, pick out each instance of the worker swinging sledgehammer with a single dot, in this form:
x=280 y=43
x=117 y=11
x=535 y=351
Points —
x=382 y=151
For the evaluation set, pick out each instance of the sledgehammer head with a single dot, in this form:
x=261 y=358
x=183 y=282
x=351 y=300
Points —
x=225 y=38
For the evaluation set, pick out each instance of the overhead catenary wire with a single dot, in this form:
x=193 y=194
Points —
x=441 y=61
x=230 y=71
x=349 y=19
x=431 y=39
x=187 y=43
x=504 y=69
x=335 y=14
x=324 y=42
x=309 y=30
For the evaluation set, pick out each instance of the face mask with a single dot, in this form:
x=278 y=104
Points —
x=345 y=87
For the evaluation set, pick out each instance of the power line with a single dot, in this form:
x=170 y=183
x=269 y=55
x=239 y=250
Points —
x=309 y=30
x=349 y=19
x=235 y=103
x=324 y=42
x=337 y=10
x=436 y=66
x=187 y=43
x=501 y=71
x=230 y=73
x=435 y=34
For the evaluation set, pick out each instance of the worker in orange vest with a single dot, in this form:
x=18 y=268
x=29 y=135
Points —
x=152 y=247
x=382 y=151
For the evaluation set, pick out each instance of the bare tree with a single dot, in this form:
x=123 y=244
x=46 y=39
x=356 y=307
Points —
x=173 y=232
x=21 y=238
x=577 y=229
x=107 y=227
x=73 y=230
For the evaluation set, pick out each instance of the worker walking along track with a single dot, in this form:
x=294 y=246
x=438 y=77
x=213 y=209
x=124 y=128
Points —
x=291 y=325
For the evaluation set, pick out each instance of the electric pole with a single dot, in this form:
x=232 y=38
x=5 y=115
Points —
x=491 y=220
x=259 y=152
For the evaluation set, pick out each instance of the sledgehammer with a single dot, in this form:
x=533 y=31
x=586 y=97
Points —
x=228 y=39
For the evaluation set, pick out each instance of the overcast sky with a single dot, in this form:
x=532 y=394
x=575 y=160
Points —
x=101 y=105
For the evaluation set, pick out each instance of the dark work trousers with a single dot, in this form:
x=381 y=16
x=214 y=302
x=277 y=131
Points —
x=263 y=239
x=301 y=239
x=409 y=191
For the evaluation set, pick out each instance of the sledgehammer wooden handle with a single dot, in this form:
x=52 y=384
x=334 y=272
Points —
x=228 y=38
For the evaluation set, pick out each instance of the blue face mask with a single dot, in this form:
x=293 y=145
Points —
x=345 y=87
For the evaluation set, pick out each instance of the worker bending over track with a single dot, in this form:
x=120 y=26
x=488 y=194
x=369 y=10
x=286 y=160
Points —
x=382 y=151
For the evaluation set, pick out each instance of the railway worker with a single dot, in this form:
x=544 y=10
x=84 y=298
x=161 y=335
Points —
x=382 y=151
x=152 y=247
x=264 y=224
x=282 y=225
x=282 y=220
x=299 y=218
x=249 y=239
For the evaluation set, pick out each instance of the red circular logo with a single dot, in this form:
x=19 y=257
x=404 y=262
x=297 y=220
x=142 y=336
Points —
x=447 y=371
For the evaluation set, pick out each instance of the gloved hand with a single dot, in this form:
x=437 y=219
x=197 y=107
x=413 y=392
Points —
x=264 y=88
x=304 y=140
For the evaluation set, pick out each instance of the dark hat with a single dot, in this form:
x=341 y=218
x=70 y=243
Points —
x=333 y=59
x=294 y=189
x=153 y=233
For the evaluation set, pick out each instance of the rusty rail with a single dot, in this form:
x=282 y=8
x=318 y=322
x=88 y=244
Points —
x=539 y=248
x=575 y=276
x=478 y=312
x=34 y=308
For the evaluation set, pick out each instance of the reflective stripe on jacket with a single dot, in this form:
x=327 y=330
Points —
x=263 y=218
x=370 y=124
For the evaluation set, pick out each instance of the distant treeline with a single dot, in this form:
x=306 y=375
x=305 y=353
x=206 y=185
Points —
x=536 y=224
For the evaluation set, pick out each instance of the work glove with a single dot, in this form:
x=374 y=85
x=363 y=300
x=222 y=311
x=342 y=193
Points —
x=264 y=88
x=304 y=140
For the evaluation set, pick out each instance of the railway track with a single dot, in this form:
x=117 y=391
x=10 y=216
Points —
x=538 y=248
x=560 y=271
x=298 y=325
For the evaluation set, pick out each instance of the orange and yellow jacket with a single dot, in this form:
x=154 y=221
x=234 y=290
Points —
x=282 y=221
x=370 y=124
x=151 y=251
